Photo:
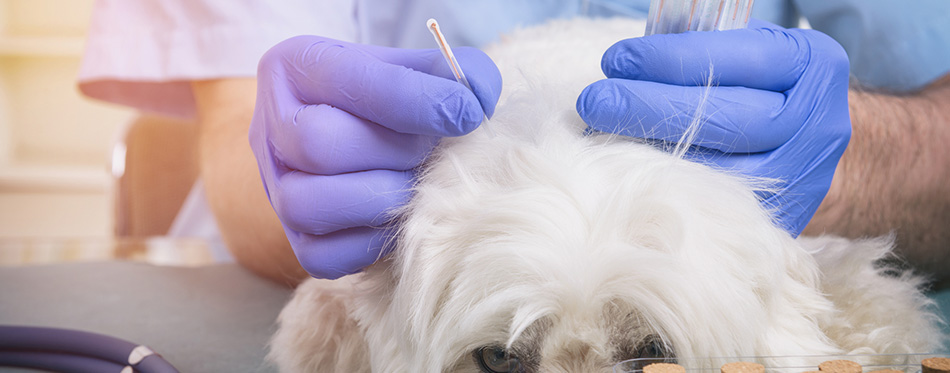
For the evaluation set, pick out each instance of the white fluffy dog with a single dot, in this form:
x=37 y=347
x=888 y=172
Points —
x=543 y=249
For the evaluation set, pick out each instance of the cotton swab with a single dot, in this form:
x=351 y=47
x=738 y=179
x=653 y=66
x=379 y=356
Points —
x=433 y=27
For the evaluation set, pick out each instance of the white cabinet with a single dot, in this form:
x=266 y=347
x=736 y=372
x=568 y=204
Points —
x=54 y=143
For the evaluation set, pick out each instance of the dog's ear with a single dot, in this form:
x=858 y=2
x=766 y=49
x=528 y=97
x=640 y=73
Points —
x=880 y=304
x=799 y=307
x=317 y=332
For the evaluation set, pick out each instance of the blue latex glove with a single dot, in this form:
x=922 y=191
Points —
x=338 y=128
x=778 y=107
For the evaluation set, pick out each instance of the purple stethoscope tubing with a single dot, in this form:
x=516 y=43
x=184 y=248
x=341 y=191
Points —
x=75 y=351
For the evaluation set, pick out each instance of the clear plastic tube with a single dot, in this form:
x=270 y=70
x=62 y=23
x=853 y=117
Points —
x=675 y=16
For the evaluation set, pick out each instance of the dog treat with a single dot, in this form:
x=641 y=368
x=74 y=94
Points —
x=742 y=367
x=840 y=366
x=936 y=365
x=664 y=368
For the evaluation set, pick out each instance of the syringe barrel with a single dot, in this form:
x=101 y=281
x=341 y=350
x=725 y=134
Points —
x=674 y=16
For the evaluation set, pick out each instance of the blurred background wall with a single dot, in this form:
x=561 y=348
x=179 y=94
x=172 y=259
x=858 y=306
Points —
x=54 y=144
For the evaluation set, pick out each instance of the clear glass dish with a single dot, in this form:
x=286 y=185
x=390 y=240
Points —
x=909 y=363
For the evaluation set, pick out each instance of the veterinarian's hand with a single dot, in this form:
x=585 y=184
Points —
x=337 y=130
x=777 y=108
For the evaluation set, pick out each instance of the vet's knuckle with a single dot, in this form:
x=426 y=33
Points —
x=290 y=212
x=317 y=136
x=827 y=50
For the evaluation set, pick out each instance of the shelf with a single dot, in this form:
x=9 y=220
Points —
x=30 y=178
x=41 y=46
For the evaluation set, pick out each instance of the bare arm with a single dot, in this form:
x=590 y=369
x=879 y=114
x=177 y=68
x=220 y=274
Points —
x=247 y=222
x=895 y=176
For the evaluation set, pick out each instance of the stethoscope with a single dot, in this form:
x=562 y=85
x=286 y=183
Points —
x=65 y=350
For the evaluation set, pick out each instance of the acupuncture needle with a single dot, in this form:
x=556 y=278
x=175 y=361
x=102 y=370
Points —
x=433 y=27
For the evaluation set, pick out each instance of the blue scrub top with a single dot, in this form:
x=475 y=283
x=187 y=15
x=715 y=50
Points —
x=892 y=44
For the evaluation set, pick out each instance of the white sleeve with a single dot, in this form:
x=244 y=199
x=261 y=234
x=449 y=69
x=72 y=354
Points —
x=143 y=53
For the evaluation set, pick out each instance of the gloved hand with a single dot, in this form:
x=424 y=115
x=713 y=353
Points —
x=777 y=107
x=338 y=128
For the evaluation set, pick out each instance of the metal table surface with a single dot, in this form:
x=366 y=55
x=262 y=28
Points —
x=200 y=316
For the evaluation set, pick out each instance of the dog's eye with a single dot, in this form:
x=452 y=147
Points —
x=652 y=349
x=496 y=359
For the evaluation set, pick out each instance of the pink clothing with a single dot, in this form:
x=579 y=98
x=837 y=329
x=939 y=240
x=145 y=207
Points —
x=143 y=53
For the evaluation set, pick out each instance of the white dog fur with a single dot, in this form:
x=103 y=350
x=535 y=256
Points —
x=574 y=251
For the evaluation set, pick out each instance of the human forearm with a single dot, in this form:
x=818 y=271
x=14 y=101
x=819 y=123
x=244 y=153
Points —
x=247 y=222
x=894 y=176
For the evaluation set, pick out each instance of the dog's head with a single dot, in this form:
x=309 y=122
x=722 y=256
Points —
x=544 y=249
x=572 y=253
